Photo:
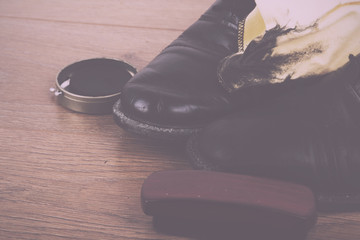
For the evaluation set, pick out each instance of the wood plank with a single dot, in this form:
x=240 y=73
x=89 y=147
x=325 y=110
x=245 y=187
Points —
x=34 y=42
x=172 y=15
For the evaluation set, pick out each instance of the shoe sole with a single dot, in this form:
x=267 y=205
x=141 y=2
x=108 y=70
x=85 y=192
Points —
x=149 y=130
x=326 y=202
x=196 y=161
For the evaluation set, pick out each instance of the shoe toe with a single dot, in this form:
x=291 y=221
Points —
x=257 y=144
x=151 y=98
x=227 y=144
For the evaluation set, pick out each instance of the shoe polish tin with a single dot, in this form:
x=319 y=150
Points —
x=92 y=86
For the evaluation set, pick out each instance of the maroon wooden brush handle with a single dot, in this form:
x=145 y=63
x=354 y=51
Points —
x=223 y=197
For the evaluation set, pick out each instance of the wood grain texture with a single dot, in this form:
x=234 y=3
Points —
x=65 y=175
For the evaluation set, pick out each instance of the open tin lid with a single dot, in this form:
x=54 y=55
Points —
x=92 y=86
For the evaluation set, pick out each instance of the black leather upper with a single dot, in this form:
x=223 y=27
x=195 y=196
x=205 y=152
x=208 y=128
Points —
x=179 y=87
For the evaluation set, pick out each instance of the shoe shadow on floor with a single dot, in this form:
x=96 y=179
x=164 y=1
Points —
x=214 y=230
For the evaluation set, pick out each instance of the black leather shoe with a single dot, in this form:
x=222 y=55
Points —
x=311 y=136
x=178 y=92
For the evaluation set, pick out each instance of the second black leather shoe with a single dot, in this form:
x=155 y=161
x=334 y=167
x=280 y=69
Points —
x=178 y=92
x=310 y=136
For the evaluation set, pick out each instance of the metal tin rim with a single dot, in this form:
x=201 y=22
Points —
x=88 y=104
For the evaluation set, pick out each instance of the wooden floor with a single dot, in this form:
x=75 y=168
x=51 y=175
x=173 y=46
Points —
x=65 y=175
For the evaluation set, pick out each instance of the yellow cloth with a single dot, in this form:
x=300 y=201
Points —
x=333 y=30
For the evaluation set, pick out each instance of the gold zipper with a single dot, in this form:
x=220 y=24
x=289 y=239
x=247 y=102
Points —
x=241 y=30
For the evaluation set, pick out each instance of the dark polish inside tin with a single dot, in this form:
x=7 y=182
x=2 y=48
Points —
x=95 y=77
